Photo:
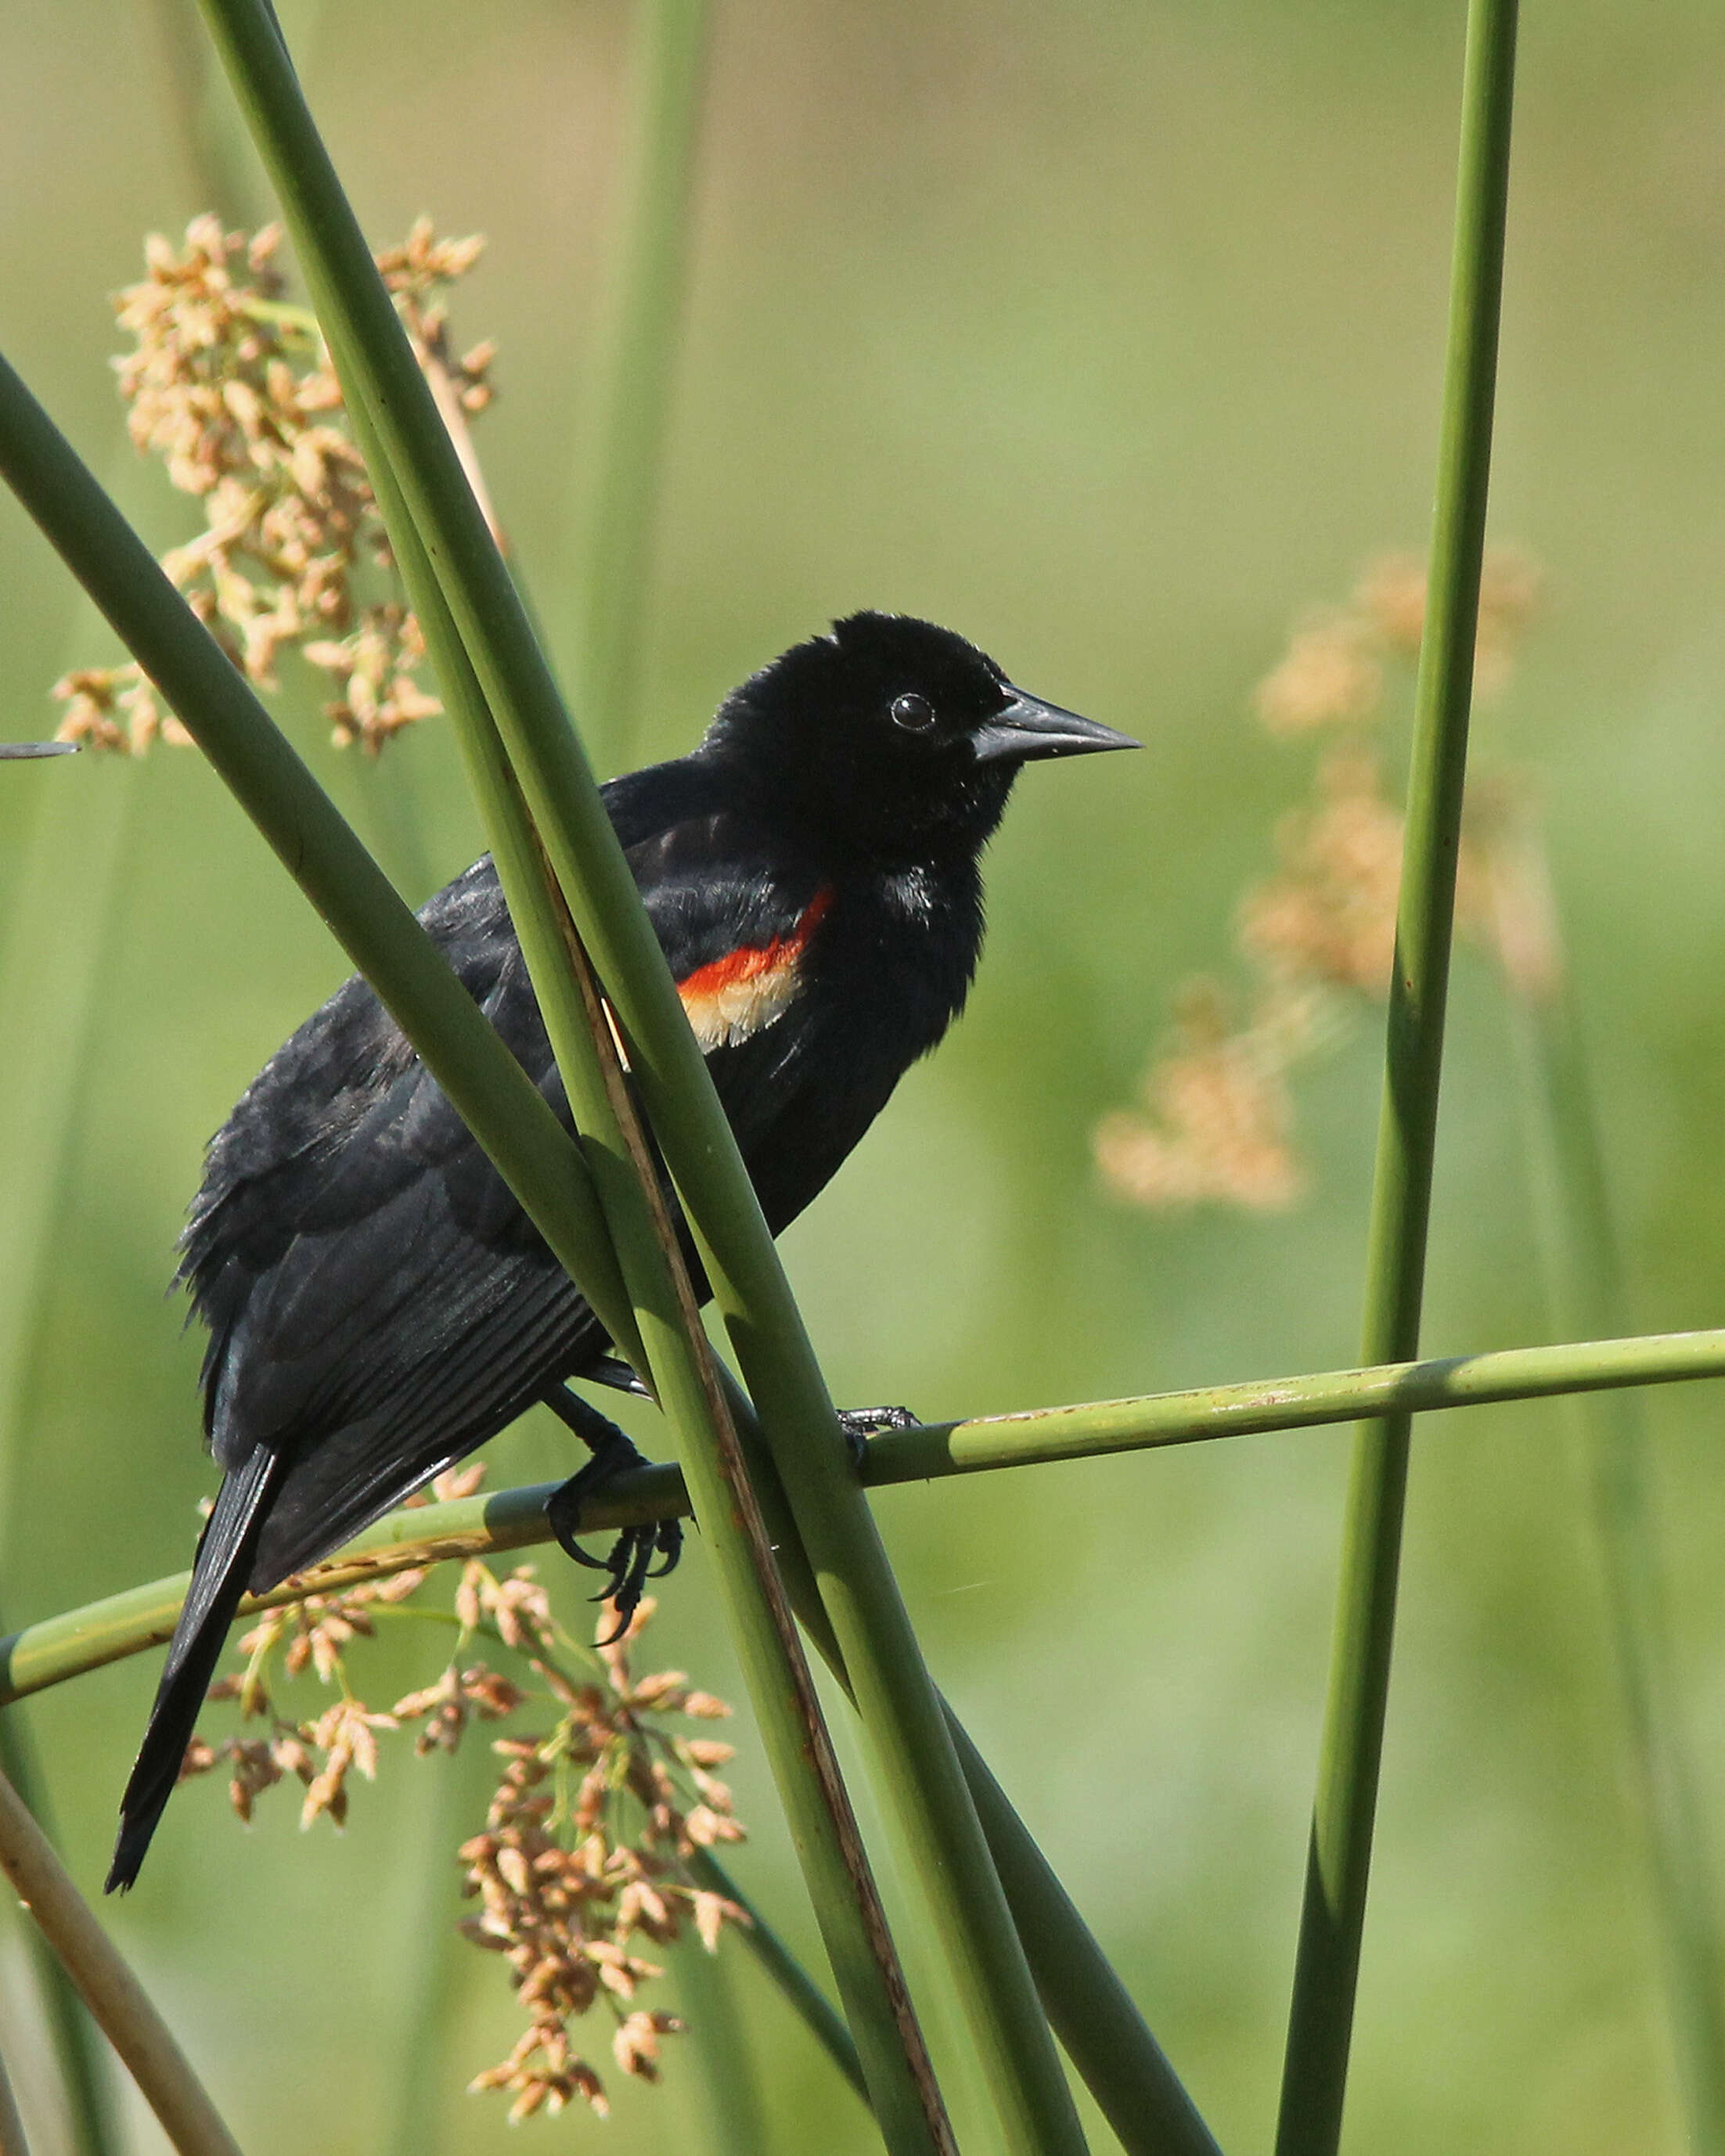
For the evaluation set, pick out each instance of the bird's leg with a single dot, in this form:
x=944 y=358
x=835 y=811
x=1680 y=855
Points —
x=629 y=1562
x=858 y=1424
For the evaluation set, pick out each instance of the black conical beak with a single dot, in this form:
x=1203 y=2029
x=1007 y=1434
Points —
x=1027 y=728
x=38 y=748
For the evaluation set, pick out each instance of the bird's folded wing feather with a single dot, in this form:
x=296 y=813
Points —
x=378 y=1303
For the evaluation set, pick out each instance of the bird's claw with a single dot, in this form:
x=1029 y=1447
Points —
x=858 y=1425
x=628 y=1564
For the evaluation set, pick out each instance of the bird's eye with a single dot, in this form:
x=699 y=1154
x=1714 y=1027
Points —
x=914 y=713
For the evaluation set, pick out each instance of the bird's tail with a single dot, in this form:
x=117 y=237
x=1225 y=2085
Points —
x=218 y=1579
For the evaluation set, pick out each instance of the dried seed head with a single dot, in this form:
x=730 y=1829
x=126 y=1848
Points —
x=236 y=395
x=1330 y=675
x=1217 y=1113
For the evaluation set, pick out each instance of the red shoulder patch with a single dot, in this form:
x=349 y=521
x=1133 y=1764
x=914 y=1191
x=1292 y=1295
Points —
x=730 y=997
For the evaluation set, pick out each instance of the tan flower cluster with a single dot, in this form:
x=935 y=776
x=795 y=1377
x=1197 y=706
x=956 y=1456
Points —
x=1218 y=1122
x=1332 y=672
x=1216 y=1117
x=586 y=1849
x=236 y=392
x=319 y=1752
x=564 y=1890
x=1329 y=915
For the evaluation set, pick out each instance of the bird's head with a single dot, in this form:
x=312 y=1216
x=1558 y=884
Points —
x=895 y=734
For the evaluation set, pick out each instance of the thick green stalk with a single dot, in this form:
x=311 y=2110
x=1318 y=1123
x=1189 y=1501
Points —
x=1584 y=1283
x=119 y=2004
x=477 y=1072
x=487 y=1085
x=799 y=1990
x=1089 y=2008
x=1107 y=2040
x=920 y=1777
x=1326 y=1966
x=678 y=1364
x=57 y=1648
x=668 y=73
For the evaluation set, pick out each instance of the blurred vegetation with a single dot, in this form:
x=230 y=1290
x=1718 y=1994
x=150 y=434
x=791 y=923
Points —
x=1110 y=336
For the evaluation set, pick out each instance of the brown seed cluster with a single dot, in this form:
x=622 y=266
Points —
x=234 y=390
x=585 y=1857
x=1218 y=1119
x=1215 y=1117
x=319 y=1752
x=586 y=1849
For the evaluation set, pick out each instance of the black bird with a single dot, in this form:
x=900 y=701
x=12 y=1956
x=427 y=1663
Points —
x=377 y=1303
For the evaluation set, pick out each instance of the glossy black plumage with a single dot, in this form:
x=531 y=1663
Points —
x=378 y=1304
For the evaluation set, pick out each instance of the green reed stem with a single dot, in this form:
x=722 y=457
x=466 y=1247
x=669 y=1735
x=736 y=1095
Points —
x=920 y=1777
x=1584 y=1282
x=638 y=364
x=733 y=2118
x=477 y=1072
x=799 y=1990
x=1088 y=2007
x=119 y=2004
x=1326 y=1966
x=79 y=2051
x=678 y=1366
x=57 y=1648
x=487 y=1087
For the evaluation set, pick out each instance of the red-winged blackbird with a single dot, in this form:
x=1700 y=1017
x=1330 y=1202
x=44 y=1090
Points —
x=378 y=1304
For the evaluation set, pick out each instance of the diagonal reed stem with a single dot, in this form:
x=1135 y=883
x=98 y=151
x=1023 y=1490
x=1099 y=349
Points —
x=119 y=2002
x=1326 y=1964
x=477 y=1073
x=799 y=1989
x=921 y=1777
x=488 y=1087
x=57 y=1648
x=543 y=1167
x=905 y=2098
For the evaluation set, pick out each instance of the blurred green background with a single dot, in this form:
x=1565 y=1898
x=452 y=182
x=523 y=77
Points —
x=1112 y=336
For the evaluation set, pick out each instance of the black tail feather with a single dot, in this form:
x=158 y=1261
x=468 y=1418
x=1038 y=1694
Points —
x=219 y=1580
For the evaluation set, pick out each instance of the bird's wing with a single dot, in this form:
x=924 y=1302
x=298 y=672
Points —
x=378 y=1304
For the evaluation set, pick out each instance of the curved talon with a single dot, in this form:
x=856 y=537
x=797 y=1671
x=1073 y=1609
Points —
x=667 y=1540
x=628 y=1564
x=571 y=1548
